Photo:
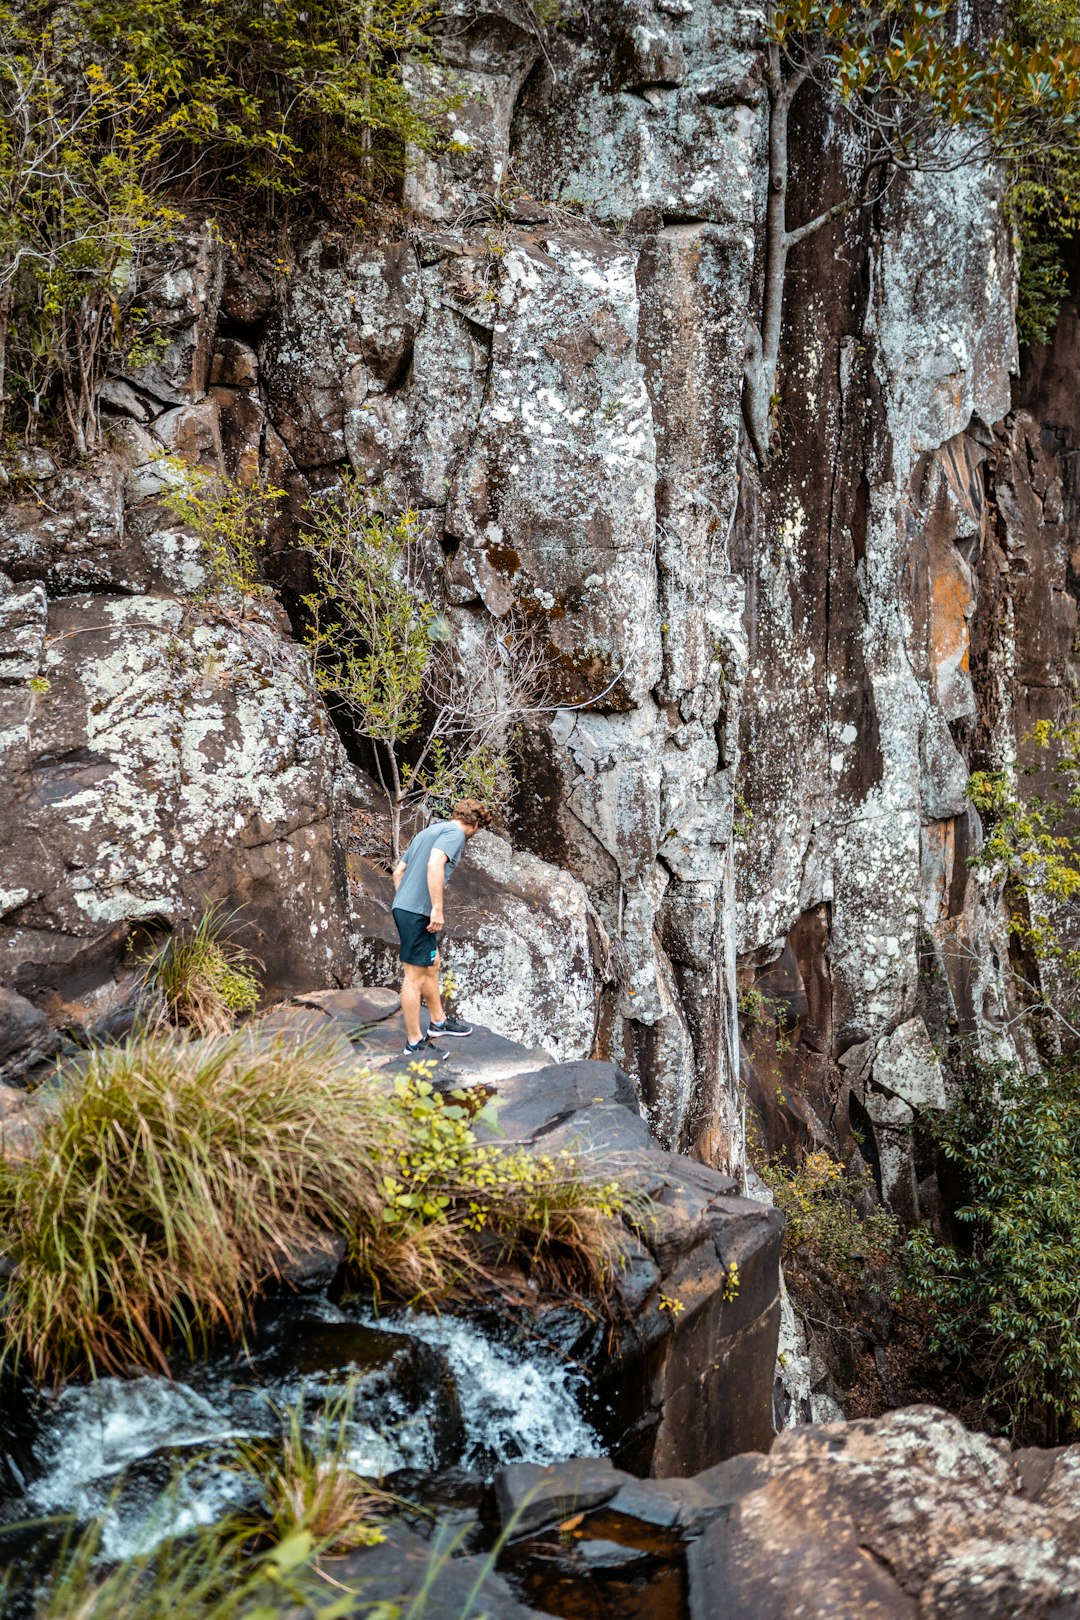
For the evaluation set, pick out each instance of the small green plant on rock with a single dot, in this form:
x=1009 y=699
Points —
x=228 y=517
x=205 y=979
x=757 y=1010
x=819 y=1199
x=306 y=1483
x=1032 y=850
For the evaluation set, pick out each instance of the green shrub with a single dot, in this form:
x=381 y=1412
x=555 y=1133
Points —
x=170 y=1180
x=1008 y=1305
x=302 y=97
x=820 y=1200
x=229 y=519
x=204 y=979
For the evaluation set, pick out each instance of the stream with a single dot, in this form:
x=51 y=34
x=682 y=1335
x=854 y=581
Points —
x=441 y=1403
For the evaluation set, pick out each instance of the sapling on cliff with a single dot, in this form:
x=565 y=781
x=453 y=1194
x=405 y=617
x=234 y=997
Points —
x=911 y=95
x=441 y=718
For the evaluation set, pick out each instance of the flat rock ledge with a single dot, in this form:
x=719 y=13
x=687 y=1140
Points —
x=904 y=1516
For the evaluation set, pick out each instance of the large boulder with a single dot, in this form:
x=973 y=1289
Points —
x=161 y=757
x=908 y=1517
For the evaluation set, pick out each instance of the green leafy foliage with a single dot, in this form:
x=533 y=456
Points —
x=1007 y=1303
x=442 y=723
x=294 y=98
x=80 y=201
x=820 y=1199
x=170 y=1180
x=1031 y=848
x=901 y=66
x=228 y=517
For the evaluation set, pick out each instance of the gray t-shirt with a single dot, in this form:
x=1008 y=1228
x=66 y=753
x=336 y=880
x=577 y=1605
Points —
x=413 y=894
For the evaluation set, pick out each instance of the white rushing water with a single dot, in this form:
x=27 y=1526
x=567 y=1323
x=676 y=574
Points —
x=517 y=1405
x=150 y=1456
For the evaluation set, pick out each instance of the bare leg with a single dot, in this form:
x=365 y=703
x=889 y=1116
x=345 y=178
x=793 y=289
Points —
x=431 y=992
x=415 y=978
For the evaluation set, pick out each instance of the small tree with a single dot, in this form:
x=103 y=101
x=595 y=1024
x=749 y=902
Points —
x=79 y=160
x=441 y=720
x=915 y=98
x=1032 y=850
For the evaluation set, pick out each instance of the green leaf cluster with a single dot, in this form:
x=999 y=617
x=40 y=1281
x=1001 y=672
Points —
x=910 y=82
x=1007 y=1303
x=228 y=517
x=295 y=98
x=820 y=1199
x=1033 y=850
x=81 y=150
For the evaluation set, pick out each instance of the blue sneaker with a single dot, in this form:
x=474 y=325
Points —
x=424 y=1051
x=449 y=1026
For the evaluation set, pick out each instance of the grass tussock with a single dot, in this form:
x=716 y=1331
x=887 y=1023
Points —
x=174 y=1179
x=212 y=1574
x=307 y=1484
x=205 y=980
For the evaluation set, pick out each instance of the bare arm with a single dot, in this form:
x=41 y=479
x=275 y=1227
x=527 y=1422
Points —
x=397 y=874
x=436 y=878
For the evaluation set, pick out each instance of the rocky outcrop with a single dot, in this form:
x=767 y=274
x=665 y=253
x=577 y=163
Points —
x=683 y=1377
x=770 y=686
x=910 y=1514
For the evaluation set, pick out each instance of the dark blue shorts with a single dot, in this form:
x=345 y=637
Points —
x=418 y=947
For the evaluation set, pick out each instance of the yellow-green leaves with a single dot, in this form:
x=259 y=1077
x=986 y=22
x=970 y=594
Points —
x=229 y=518
x=1031 y=848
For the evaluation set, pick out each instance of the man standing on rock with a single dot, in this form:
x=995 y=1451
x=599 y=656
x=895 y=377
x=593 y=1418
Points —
x=419 y=879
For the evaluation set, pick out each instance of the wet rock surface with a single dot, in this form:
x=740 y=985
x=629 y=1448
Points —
x=909 y=1514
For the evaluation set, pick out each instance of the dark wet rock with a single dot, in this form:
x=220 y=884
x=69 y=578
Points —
x=357 y=1008
x=22 y=1026
x=529 y=1496
x=396 y=1572
x=313 y=1268
x=536 y=1102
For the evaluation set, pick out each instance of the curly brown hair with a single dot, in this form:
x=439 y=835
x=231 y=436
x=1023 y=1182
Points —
x=472 y=813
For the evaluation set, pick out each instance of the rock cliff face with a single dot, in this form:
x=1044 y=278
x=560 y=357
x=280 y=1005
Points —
x=790 y=673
